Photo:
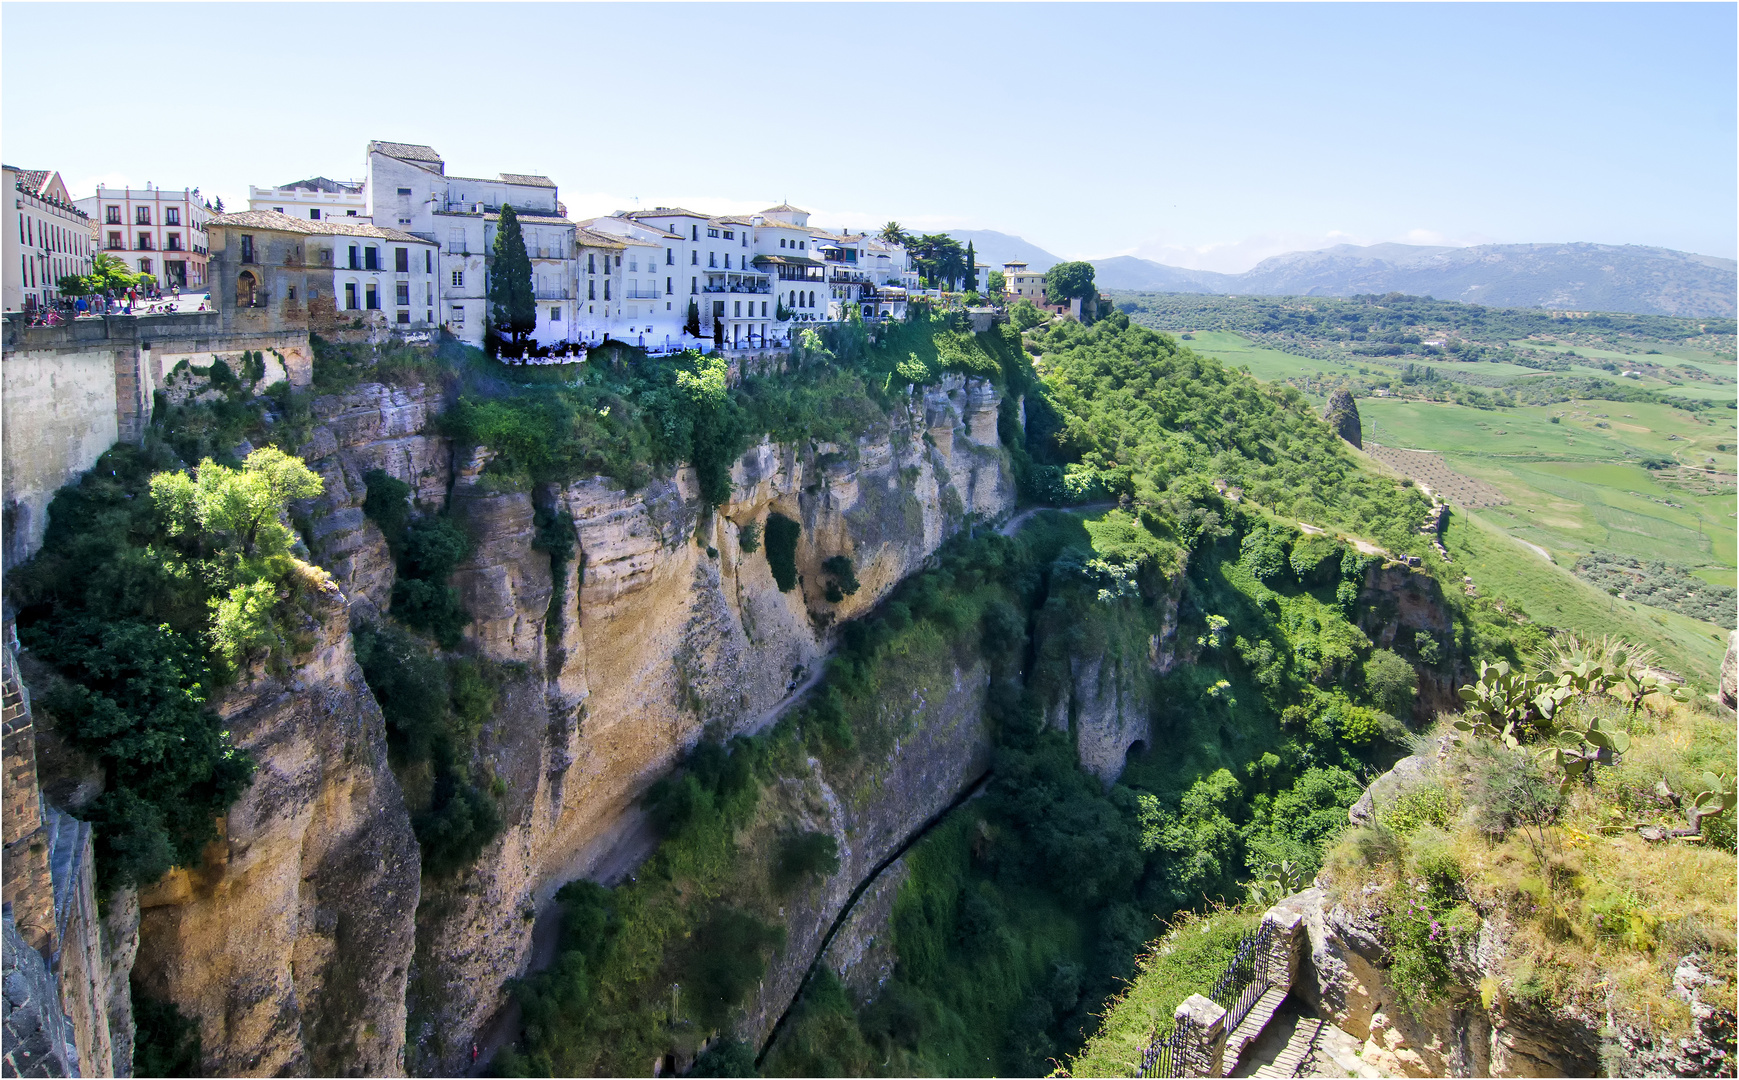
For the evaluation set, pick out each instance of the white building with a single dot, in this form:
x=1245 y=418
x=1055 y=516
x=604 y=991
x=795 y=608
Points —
x=408 y=189
x=47 y=238
x=316 y=198
x=156 y=231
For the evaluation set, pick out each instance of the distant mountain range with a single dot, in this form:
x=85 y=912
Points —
x=1561 y=277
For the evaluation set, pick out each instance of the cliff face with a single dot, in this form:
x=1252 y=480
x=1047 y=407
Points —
x=660 y=626
x=664 y=626
x=290 y=944
x=1400 y=603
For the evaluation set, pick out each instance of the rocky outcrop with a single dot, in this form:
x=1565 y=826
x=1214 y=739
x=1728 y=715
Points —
x=38 y=1039
x=1346 y=979
x=1397 y=604
x=1729 y=693
x=1342 y=415
x=290 y=944
x=862 y=950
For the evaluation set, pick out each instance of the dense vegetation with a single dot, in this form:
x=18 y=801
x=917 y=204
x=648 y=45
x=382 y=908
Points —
x=153 y=588
x=1659 y=584
x=1026 y=908
x=1434 y=349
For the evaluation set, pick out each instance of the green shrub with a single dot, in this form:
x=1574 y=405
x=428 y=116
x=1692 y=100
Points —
x=165 y=1043
x=387 y=503
x=749 y=538
x=725 y=961
x=805 y=855
x=1391 y=682
x=781 y=545
x=843 y=581
x=1425 y=805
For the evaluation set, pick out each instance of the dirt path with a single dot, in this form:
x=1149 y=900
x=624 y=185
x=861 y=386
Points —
x=1537 y=549
x=1018 y=522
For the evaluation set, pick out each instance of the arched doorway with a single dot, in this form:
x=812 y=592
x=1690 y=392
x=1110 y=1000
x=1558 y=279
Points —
x=246 y=289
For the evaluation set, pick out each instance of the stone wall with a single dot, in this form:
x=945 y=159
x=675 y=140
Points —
x=69 y=392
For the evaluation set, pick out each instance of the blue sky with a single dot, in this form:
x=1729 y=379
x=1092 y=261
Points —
x=1199 y=135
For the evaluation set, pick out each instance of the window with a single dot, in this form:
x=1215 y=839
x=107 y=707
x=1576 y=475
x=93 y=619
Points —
x=763 y=309
x=141 y=215
x=429 y=297
x=738 y=311
x=555 y=314
x=172 y=215
x=401 y=260
x=350 y=296
x=404 y=318
x=591 y=290
x=634 y=264
x=350 y=213
x=693 y=285
x=458 y=315
x=781 y=241
x=669 y=256
x=172 y=242
x=325 y=256
x=371 y=295
x=144 y=266
x=694 y=258
x=714 y=233
x=591 y=263
x=404 y=193
x=371 y=258
x=730 y=235
x=247 y=249
x=455 y=241
x=112 y=215
x=428 y=261
x=694 y=232
x=402 y=294
x=314 y=214
x=145 y=243
x=115 y=242
x=290 y=292
x=727 y=261
x=667 y=289
x=606 y=290
x=458 y=279
x=355 y=257
x=277 y=209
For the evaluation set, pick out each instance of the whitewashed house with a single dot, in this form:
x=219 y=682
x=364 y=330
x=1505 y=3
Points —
x=316 y=199
x=408 y=188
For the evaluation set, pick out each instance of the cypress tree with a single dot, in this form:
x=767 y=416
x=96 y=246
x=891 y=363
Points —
x=971 y=268
x=512 y=305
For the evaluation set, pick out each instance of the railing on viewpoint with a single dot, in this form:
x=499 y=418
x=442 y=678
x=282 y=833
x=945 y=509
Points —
x=1164 y=1057
x=1246 y=978
x=1243 y=982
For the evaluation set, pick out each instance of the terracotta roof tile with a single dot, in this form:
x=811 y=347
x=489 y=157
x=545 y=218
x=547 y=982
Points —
x=271 y=219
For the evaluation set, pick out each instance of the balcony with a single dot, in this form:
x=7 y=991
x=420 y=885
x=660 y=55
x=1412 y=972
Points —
x=145 y=244
x=641 y=294
x=552 y=294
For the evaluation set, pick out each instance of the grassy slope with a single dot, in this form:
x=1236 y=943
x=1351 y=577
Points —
x=1502 y=567
x=1574 y=488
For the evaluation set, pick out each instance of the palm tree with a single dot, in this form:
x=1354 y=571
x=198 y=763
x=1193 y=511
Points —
x=892 y=233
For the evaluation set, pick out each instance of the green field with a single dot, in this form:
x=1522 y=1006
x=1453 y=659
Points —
x=1575 y=485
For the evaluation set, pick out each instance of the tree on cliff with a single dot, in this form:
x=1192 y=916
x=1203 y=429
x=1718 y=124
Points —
x=512 y=305
x=1069 y=281
x=971 y=268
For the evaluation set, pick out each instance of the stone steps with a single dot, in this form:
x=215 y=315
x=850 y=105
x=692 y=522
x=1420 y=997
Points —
x=1250 y=1028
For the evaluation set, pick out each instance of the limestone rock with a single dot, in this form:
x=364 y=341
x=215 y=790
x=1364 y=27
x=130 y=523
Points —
x=1342 y=415
x=290 y=944
x=1408 y=773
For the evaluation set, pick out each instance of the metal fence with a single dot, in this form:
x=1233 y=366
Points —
x=1237 y=990
x=1246 y=978
x=1165 y=1056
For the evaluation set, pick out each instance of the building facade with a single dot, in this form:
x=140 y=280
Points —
x=156 y=231
x=271 y=271
x=408 y=189
x=1018 y=282
x=47 y=238
x=316 y=198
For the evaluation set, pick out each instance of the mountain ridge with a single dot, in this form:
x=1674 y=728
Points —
x=1578 y=276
